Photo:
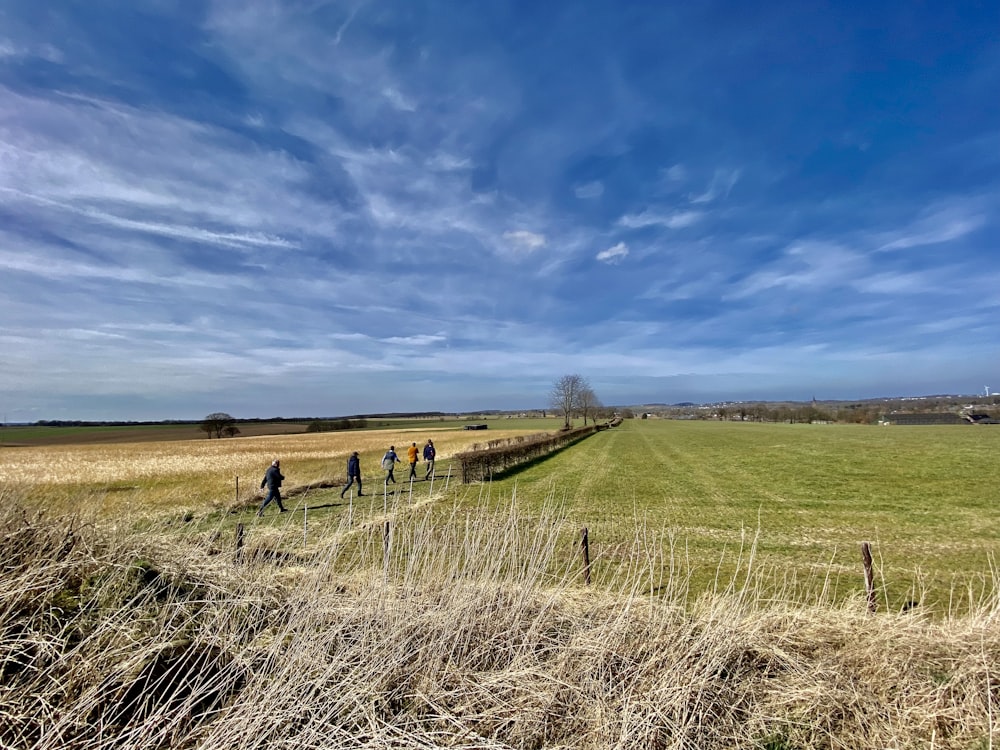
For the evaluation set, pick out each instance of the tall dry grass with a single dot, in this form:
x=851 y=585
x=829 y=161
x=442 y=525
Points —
x=468 y=632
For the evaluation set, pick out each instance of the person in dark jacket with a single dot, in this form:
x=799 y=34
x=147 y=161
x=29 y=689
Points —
x=429 y=454
x=272 y=478
x=353 y=474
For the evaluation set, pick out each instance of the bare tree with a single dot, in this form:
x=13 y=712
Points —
x=587 y=403
x=565 y=396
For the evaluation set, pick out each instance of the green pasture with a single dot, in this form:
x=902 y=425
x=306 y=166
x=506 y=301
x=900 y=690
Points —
x=924 y=497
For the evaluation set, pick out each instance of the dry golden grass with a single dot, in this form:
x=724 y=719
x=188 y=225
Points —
x=148 y=478
x=120 y=640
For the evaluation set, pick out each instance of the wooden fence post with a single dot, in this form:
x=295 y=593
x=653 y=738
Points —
x=866 y=557
x=386 y=539
x=239 y=542
x=237 y=489
x=585 y=548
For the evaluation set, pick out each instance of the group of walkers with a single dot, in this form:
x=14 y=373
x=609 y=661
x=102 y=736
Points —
x=273 y=477
x=389 y=461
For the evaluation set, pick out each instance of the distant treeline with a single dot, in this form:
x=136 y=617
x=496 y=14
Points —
x=333 y=425
x=87 y=423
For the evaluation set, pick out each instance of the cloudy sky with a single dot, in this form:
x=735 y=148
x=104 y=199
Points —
x=307 y=208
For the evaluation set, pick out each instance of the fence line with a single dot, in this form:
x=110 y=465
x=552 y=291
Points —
x=499 y=456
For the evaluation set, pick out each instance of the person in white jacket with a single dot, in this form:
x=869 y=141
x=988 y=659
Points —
x=389 y=461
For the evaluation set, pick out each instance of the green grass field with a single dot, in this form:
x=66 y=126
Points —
x=924 y=497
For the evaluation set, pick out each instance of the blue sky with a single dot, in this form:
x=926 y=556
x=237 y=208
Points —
x=328 y=208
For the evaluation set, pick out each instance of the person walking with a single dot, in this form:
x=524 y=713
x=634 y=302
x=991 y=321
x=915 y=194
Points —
x=272 y=479
x=429 y=454
x=412 y=454
x=389 y=461
x=353 y=474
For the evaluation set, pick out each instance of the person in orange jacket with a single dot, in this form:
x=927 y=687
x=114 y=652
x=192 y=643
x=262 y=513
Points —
x=411 y=454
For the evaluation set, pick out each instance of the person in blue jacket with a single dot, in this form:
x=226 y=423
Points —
x=272 y=478
x=353 y=474
x=429 y=454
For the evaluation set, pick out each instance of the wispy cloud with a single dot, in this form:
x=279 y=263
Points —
x=42 y=51
x=399 y=100
x=521 y=240
x=613 y=255
x=670 y=220
x=722 y=183
x=897 y=283
x=675 y=173
x=936 y=226
x=589 y=190
x=808 y=265
x=175 y=231
x=418 y=340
